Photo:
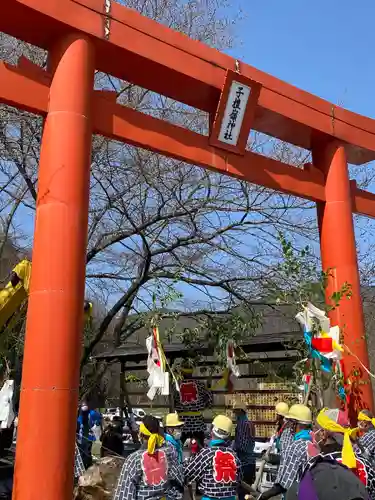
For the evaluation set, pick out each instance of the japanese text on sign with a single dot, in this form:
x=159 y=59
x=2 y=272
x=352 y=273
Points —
x=234 y=113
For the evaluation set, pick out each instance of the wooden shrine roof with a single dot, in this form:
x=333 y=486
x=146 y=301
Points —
x=131 y=352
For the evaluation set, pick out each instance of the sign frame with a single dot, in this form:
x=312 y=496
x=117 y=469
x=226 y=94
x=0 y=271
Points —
x=248 y=117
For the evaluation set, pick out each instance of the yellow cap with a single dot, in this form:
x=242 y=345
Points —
x=282 y=408
x=300 y=413
x=223 y=423
x=172 y=420
x=240 y=406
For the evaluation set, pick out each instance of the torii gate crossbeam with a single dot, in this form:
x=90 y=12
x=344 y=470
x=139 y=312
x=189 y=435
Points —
x=84 y=35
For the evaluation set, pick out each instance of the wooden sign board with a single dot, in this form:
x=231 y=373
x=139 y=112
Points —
x=235 y=113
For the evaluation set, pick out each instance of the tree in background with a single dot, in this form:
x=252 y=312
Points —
x=158 y=227
x=12 y=336
x=301 y=282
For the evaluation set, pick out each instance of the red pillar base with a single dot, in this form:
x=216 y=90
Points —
x=50 y=379
x=338 y=251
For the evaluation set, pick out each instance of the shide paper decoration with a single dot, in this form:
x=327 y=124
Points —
x=158 y=380
x=232 y=368
x=323 y=342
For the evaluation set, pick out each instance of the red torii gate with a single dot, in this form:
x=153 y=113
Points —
x=84 y=35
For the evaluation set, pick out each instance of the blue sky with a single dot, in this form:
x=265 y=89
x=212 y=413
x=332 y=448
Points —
x=322 y=46
x=319 y=46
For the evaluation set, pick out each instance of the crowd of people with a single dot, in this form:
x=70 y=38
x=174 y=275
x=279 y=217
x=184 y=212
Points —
x=324 y=459
x=157 y=470
x=320 y=459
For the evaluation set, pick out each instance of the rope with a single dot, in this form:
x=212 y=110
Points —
x=104 y=448
x=359 y=361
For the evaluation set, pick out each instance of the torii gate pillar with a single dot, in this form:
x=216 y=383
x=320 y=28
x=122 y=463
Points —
x=50 y=379
x=338 y=252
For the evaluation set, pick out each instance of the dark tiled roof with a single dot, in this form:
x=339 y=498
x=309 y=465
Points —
x=278 y=327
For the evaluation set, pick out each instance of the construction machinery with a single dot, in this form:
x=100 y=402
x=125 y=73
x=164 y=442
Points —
x=16 y=292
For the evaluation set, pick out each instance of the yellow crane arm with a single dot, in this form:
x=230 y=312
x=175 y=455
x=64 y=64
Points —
x=17 y=291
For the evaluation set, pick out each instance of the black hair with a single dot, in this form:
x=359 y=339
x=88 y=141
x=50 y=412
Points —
x=304 y=426
x=152 y=424
x=368 y=413
x=279 y=423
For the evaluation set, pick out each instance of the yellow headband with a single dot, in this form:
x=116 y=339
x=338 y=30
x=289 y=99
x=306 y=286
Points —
x=362 y=417
x=348 y=456
x=153 y=439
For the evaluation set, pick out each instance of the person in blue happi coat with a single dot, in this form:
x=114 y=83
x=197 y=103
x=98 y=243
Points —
x=244 y=442
x=86 y=421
